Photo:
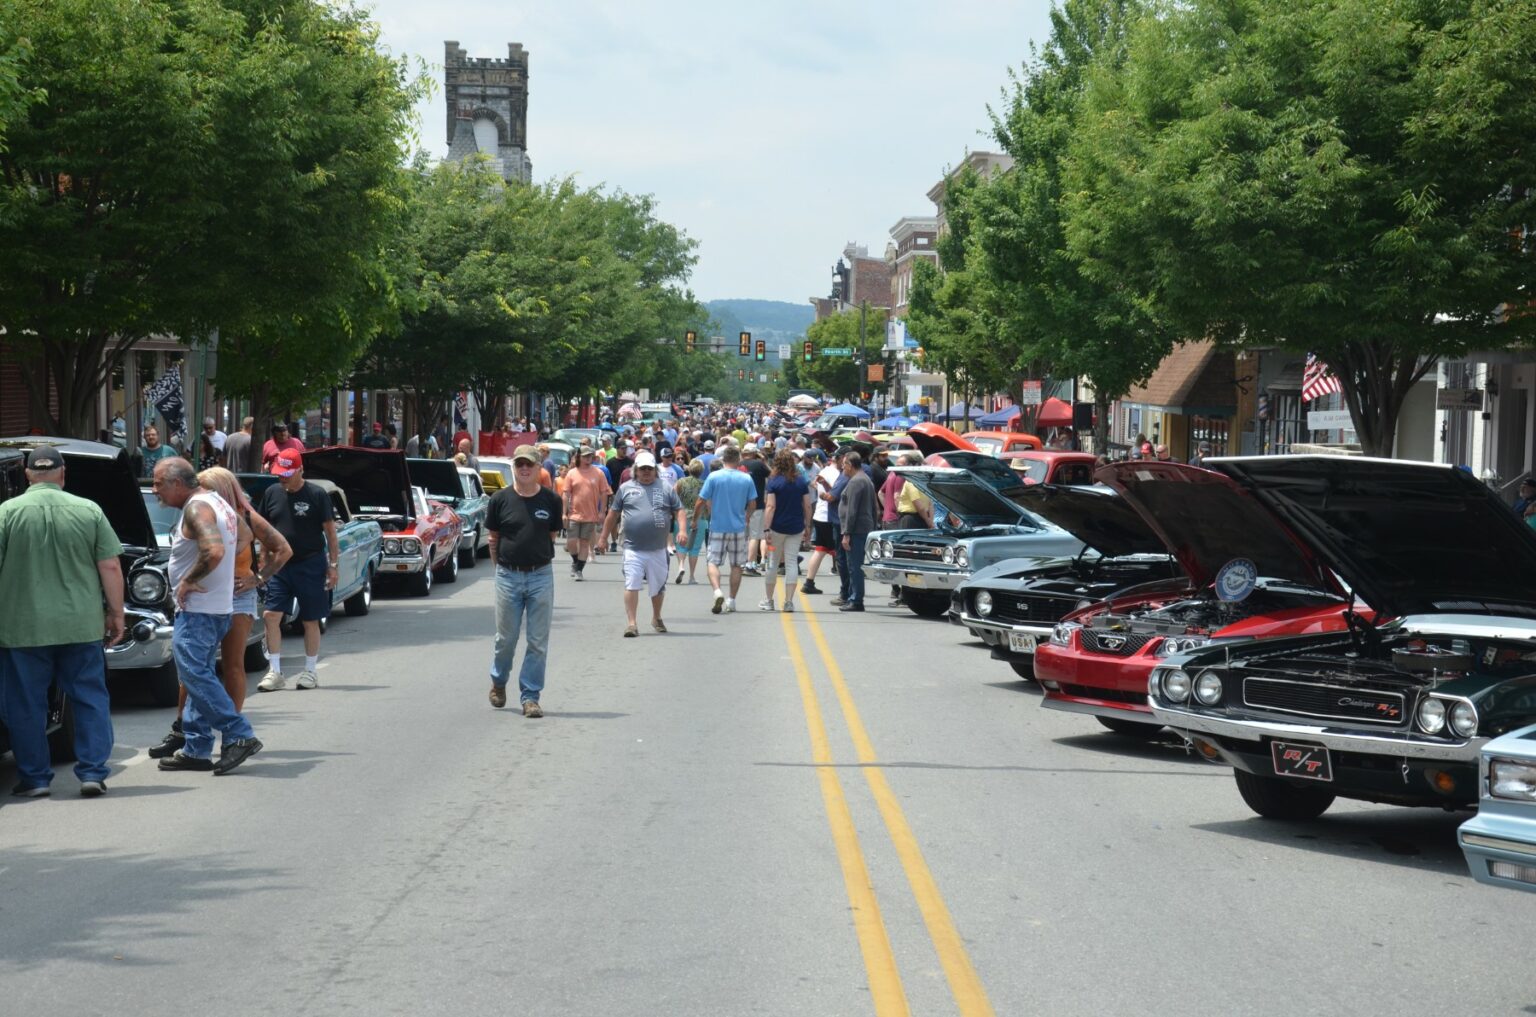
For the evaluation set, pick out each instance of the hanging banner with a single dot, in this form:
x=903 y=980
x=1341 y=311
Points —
x=168 y=400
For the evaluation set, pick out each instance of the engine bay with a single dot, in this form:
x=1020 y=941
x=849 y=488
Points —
x=1199 y=616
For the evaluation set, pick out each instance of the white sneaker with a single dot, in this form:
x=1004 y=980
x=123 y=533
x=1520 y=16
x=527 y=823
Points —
x=719 y=602
x=765 y=605
x=730 y=605
x=306 y=680
x=272 y=682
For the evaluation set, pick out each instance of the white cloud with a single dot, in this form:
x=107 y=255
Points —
x=773 y=133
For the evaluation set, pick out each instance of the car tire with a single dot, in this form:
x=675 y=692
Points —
x=1024 y=668
x=448 y=571
x=361 y=602
x=164 y=685
x=1274 y=798
x=61 y=744
x=467 y=558
x=419 y=584
x=925 y=605
x=1130 y=728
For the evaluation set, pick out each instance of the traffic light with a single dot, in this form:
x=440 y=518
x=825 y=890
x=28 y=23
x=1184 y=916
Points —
x=775 y=377
x=762 y=350
x=746 y=344
x=691 y=339
x=741 y=374
x=805 y=354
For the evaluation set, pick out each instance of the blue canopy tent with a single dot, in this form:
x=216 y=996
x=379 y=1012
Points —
x=960 y=411
x=896 y=423
x=848 y=409
x=999 y=418
x=917 y=410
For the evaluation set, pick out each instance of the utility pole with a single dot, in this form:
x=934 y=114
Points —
x=863 y=359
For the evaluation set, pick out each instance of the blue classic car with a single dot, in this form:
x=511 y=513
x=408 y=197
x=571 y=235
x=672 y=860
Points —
x=361 y=543
x=459 y=488
x=1500 y=841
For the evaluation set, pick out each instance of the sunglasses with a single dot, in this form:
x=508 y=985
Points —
x=524 y=466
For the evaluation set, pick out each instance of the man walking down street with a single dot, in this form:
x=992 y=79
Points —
x=728 y=500
x=301 y=512
x=586 y=503
x=58 y=563
x=752 y=462
x=523 y=520
x=202 y=571
x=856 y=512
x=237 y=448
x=648 y=507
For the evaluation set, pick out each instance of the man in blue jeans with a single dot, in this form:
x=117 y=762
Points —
x=856 y=512
x=58 y=561
x=202 y=571
x=523 y=520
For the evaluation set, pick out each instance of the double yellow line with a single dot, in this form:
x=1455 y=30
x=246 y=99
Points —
x=879 y=961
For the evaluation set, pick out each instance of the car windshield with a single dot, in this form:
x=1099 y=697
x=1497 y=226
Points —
x=991 y=446
x=1032 y=470
x=161 y=517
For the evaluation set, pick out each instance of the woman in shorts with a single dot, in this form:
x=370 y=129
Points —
x=688 y=493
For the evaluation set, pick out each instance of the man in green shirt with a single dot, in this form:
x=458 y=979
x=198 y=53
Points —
x=58 y=560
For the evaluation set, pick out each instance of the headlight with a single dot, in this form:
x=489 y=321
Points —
x=410 y=546
x=887 y=549
x=147 y=587
x=1464 y=719
x=1432 y=715
x=962 y=558
x=1208 y=688
x=948 y=557
x=984 y=603
x=1061 y=633
x=391 y=547
x=1511 y=778
x=1180 y=644
x=874 y=550
x=1082 y=604
x=1176 y=686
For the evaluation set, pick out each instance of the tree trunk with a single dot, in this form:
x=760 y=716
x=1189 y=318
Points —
x=1376 y=379
x=1100 y=422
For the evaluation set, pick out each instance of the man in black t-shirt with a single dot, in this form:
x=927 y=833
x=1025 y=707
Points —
x=523 y=520
x=752 y=462
x=301 y=512
x=376 y=439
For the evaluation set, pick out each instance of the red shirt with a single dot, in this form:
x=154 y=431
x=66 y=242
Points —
x=271 y=450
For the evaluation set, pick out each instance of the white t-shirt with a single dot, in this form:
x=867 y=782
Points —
x=819 y=513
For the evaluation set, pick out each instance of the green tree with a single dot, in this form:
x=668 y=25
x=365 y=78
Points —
x=15 y=96
x=841 y=376
x=1347 y=177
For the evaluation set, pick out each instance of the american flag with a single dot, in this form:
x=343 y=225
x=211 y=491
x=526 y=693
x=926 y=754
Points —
x=1317 y=380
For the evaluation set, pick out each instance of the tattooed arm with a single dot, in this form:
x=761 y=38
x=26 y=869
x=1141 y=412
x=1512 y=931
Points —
x=275 y=549
x=199 y=523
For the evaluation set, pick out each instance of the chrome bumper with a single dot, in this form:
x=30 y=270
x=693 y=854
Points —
x=915 y=578
x=1002 y=630
x=137 y=654
x=1400 y=746
x=402 y=564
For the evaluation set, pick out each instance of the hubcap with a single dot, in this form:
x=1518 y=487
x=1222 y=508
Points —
x=368 y=592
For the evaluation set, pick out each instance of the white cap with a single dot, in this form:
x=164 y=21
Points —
x=644 y=459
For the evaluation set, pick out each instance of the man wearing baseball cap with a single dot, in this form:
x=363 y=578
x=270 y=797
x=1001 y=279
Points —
x=376 y=439
x=58 y=564
x=586 y=503
x=649 y=507
x=301 y=512
x=523 y=520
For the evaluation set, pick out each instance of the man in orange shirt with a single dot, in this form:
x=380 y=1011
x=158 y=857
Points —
x=586 y=502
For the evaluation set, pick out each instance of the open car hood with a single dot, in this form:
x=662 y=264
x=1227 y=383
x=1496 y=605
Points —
x=375 y=481
x=102 y=474
x=976 y=502
x=930 y=438
x=1409 y=538
x=438 y=477
x=1206 y=520
x=1096 y=516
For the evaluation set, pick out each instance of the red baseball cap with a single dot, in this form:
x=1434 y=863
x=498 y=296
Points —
x=378 y=426
x=287 y=463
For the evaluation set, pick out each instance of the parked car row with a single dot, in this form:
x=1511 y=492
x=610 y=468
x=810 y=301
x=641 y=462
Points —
x=1326 y=627
x=398 y=519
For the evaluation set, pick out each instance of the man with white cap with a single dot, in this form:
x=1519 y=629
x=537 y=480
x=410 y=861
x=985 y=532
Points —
x=648 y=507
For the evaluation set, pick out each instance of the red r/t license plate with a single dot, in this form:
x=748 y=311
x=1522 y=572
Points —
x=1309 y=762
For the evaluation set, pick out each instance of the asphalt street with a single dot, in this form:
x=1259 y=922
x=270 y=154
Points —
x=806 y=814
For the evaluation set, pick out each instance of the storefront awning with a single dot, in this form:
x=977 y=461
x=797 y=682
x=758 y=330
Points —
x=1196 y=379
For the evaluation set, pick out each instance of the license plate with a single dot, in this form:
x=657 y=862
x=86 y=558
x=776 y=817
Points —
x=914 y=579
x=1020 y=643
x=1309 y=762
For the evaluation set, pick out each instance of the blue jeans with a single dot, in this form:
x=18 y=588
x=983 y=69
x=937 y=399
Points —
x=853 y=567
x=844 y=586
x=519 y=596
x=80 y=669
x=196 y=646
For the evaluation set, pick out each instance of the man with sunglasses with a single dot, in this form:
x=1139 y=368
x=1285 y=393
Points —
x=648 y=507
x=523 y=520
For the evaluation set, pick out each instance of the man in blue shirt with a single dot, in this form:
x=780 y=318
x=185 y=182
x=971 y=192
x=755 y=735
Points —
x=728 y=498
x=707 y=457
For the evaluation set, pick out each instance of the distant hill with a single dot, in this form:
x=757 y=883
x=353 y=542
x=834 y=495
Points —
x=762 y=315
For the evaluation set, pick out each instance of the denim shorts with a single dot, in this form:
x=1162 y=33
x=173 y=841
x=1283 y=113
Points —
x=245 y=603
x=303 y=581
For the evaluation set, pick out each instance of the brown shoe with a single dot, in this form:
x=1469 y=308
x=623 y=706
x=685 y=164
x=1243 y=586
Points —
x=498 y=696
x=631 y=631
x=531 y=709
x=659 y=626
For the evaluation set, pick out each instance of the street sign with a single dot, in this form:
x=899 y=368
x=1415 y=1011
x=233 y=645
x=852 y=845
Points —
x=837 y=351
x=1030 y=396
x=1329 y=420
x=784 y=353
x=763 y=378
x=1459 y=399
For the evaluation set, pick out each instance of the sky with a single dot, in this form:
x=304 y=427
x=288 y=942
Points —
x=773 y=134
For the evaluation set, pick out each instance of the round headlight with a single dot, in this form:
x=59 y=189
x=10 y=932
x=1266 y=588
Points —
x=147 y=587
x=948 y=557
x=962 y=558
x=391 y=547
x=984 y=603
x=1176 y=686
x=1432 y=715
x=887 y=549
x=874 y=550
x=410 y=546
x=1464 y=719
x=1208 y=688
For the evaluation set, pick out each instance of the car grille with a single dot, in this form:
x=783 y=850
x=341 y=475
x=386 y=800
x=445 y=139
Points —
x=1326 y=702
x=916 y=552
x=1043 y=610
x=1115 y=644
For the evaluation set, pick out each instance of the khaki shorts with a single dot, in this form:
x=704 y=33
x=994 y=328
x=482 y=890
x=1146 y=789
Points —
x=646 y=570
x=581 y=531
x=755 y=526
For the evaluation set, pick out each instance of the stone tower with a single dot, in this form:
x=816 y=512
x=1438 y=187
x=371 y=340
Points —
x=488 y=108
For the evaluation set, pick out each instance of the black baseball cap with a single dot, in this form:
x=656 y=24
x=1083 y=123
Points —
x=44 y=457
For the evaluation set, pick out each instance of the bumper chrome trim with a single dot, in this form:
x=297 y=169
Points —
x=1184 y=721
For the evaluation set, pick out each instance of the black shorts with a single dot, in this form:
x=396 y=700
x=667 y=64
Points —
x=822 y=538
x=303 y=581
